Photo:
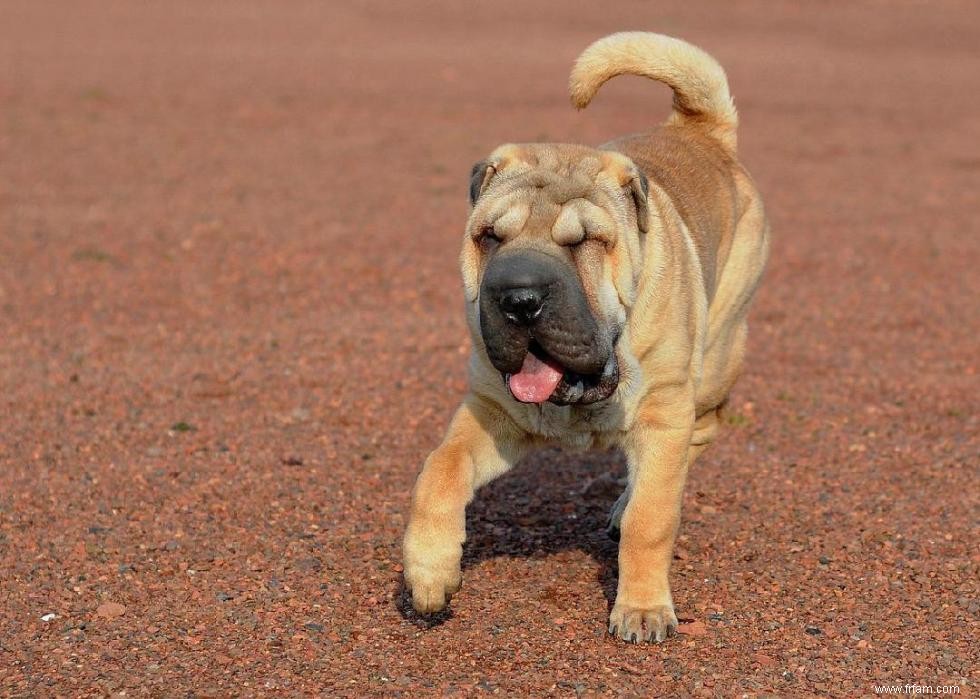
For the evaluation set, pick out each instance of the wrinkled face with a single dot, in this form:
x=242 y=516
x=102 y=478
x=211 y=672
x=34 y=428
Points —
x=550 y=259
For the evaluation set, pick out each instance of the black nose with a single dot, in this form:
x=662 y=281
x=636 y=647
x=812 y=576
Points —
x=518 y=285
x=522 y=305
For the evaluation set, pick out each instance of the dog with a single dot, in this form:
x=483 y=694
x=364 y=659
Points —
x=606 y=294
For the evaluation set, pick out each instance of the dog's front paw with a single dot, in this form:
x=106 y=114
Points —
x=432 y=571
x=636 y=624
x=432 y=587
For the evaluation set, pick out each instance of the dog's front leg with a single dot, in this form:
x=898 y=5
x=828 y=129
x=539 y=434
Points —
x=481 y=444
x=657 y=452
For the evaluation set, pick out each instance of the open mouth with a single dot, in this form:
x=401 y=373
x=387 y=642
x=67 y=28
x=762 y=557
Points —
x=542 y=378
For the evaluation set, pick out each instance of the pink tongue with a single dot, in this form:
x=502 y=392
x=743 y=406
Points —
x=536 y=380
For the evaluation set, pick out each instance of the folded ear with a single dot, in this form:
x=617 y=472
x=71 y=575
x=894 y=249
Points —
x=639 y=190
x=480 y=178
x=633 y=182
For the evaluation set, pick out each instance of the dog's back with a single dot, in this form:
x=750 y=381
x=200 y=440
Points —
x=695 y=177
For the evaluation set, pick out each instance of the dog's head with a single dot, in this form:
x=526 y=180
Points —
x=550 y=263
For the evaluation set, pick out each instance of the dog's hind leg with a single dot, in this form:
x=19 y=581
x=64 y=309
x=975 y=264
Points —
x=705 y=431
x=616 y=515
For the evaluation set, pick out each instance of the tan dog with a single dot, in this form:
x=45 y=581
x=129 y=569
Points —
x=607 y=292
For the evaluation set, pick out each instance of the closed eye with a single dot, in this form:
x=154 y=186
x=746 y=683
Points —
x=598 y=240
x=488 y=239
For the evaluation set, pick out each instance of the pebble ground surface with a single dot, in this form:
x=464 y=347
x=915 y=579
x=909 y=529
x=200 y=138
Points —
x=231 y=331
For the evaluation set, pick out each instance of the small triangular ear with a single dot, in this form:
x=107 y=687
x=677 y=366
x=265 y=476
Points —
x=639 y=189
x=480 y=178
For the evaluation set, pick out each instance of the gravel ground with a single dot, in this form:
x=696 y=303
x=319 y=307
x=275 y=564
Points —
x=231 y=330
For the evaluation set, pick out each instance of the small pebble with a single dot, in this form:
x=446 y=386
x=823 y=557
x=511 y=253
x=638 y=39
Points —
x=110 y=610
x=694 y=628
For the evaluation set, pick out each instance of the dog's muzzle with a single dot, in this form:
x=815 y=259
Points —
x=540 y=332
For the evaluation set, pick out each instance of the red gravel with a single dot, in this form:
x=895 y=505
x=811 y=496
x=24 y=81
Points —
x=232 y=330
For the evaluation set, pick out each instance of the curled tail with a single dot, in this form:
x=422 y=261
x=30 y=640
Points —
x=701 y=96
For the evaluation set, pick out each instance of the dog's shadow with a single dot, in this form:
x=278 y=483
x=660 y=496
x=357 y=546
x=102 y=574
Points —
x=552 y=501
